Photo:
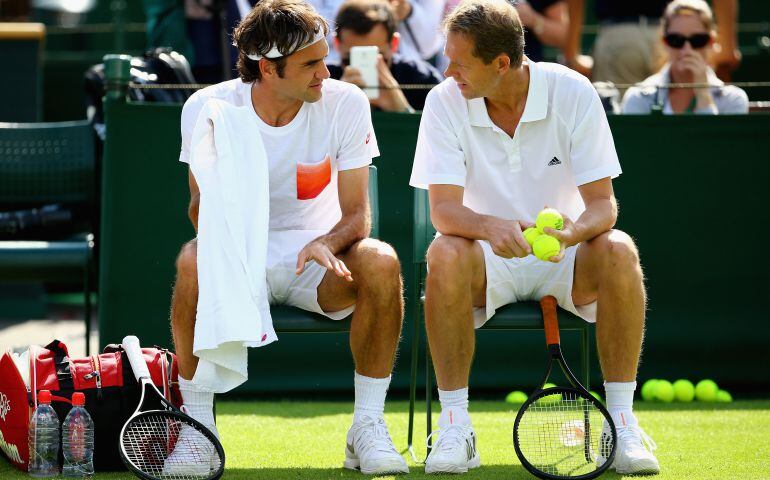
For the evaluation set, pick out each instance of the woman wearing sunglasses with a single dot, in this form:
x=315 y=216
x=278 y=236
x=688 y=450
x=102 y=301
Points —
x=688 y=35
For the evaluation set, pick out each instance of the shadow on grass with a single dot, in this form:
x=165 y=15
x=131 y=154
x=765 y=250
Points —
x=305 y=409
x=508 y=472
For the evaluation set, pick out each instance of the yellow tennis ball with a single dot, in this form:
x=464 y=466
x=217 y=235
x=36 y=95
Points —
x=724 y=396
x=664 y=391
x=549 y=218
x=517 y=396
x=555 y=398
x=684 y=390
x=531 y=234
x=545 y=247
x=706 y=391
x=648 y=390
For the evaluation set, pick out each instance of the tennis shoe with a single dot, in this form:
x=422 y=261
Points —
x=454 y=450
x=193 y=455
x=634 y=452
x=371 y=450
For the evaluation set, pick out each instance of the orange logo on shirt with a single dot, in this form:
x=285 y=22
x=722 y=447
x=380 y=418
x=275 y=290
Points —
x=313 y=178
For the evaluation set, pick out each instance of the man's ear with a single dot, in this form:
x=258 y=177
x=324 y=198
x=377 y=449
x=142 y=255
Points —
x=266 y=67
x=395 y=42
x=503 y=63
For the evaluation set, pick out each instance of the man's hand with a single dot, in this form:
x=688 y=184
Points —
x=505 y=237
x=391 y=97
x=318 y=251
x=583 y=64
x=567 y=237
x=401 y=8
x=353 y=75
x=526 y=13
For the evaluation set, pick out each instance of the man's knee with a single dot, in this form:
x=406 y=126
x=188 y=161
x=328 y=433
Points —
x=375 y=261
x=617 y=249
x=187 y=260
x=450 y=257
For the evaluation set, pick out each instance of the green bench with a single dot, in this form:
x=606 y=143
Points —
x=49 y=163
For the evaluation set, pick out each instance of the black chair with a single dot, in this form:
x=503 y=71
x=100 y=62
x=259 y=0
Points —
x=49 y=163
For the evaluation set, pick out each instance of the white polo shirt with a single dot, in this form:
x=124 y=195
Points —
x=562 y=141
x=304 y=156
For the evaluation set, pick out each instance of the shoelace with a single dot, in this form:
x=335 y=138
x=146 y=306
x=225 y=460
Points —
x=379 y=440
x=635 y=435
x=451 y=437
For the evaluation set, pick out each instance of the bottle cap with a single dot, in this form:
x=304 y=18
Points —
x=44 y=396
x=78 y=399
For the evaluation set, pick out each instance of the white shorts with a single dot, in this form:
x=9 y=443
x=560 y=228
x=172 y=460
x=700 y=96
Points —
x=284 y=286
x=511 y=280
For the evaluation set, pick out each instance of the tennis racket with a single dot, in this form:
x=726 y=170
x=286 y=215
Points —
x=558 y=431
x=164 y=443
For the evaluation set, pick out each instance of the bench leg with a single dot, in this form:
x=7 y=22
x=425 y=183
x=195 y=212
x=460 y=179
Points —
x=416 y=322
x=586 y=357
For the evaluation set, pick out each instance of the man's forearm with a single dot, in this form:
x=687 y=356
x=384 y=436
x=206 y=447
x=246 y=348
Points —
x=192 y=210
x=459 y=220
x=350 y=229
x=575 y=30
x=599 y=216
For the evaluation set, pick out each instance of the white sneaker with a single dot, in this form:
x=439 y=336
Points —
x=370 y=449
x=454 y=450
x=634 y=453
x=193 y=455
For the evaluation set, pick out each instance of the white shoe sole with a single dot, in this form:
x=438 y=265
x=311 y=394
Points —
x=438 y=467
x=394 y=467
x=639 y=467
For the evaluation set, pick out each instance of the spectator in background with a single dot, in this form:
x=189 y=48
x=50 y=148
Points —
x=627 y=47
x=373 y=23
x=545 y=23
x=418 y=23
x=689 y=36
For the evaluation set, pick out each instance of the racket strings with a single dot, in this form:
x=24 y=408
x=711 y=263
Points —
x=560 y=435
x=168 y=448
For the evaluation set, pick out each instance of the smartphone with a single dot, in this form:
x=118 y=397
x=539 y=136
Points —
x=364 y=59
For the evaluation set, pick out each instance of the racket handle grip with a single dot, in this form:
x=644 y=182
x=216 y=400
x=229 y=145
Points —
x=135 y=358
x=550 y=320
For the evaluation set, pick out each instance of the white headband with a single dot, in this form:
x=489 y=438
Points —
x=274 y=53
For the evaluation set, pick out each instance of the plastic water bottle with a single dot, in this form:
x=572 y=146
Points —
x=44 y=438
x=77 y=439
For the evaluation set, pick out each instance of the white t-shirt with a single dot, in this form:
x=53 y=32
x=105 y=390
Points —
x=304 y=156
x=562 y=141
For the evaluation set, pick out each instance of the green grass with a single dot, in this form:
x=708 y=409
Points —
x=297 y=440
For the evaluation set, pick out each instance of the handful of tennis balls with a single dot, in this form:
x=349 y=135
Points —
x=544 y=246
x=683 y=391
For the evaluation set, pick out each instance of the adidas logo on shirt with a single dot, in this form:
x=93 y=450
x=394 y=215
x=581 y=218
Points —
x=554 y=161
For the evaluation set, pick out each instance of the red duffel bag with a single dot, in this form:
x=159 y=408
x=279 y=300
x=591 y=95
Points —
x=110 y=387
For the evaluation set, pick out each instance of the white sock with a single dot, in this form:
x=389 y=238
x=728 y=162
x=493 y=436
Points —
x=370 y=396
x=199 y=404
x=620 y=402
x=454 y=407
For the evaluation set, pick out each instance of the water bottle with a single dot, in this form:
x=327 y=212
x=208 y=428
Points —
x=44 y=438
x=77 y=439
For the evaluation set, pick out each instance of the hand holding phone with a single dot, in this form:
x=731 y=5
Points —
x=364 y=59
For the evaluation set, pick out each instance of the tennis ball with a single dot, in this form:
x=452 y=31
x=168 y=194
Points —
x=664 y=391
x=596 y=396
x=684 y=391
x=549 y=218
x=648 y=390
x=555 y=398
x=706 y=391
x=531 y=234
x=724 y=396
x=517 y=396
x=545 y=247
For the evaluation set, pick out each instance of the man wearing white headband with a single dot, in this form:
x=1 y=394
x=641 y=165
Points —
x=319 y=141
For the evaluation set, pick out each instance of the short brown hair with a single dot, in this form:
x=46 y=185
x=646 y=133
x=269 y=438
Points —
x=493 y=25
x=698 y=8
x=284 y=24
x=361 y=16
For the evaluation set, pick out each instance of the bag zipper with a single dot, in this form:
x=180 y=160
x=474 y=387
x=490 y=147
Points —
x=96 y=365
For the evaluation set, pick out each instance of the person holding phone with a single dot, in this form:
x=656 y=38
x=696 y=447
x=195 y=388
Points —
x=689 y=36
x=372 y=23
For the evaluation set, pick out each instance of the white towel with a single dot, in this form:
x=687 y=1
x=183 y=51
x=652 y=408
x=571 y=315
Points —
x=230 y=166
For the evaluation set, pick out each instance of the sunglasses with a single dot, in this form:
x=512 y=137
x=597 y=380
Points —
x=677 y=40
